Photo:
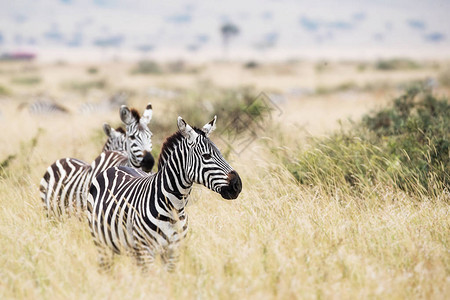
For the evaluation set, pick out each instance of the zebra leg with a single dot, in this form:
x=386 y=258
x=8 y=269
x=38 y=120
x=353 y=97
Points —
x=170 y=258
x=144 y=258
x=105 y=257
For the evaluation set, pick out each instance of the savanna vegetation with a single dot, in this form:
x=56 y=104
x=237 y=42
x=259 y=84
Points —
x=356 y=210
x=405 y=145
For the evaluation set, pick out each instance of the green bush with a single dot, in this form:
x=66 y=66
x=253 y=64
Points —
x=343 y=87
x=396 y=64
x=85 y=86
x=361 y=67
x=240 y=111
x=321 y=66
x=405 y=145
x=4 y=91
x=92 y=70
x=251 y=65
x=28 y=80
x=146 y=67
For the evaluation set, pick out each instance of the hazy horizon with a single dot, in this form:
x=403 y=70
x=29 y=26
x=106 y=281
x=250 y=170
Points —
x=268 y=30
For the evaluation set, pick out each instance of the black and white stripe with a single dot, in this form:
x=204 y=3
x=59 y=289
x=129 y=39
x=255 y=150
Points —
x=106 y=105
x=65 y=185
x=144 y=215
x=44 y=107
x=116 y=139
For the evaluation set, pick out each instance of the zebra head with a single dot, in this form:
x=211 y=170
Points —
x=204 y=162
x=116 y=138
x=138 y=137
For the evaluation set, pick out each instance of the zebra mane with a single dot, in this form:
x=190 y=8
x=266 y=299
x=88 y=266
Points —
x=171 y=143
x=135 y=114
x=120 y=129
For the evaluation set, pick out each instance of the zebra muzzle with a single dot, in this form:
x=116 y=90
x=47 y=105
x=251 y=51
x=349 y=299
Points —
x=234 y=187
x=147 y=162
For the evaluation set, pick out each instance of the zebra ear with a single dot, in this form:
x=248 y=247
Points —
x=186 y=130
x=147 y=116
x=125 y=115
x=107 y=129
x=209 y=127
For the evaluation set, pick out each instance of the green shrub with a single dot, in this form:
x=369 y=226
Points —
x=321 y=66
x=92 y=70
x=4 y=91
x=416 y=131
x=406 y=145
x=396 y=64
x=361 y=67
x=146 y=67
x=26 y=80
x=345 y=86
x=240 y=112
x=251 y=65
x=341 y=161
x=85 y=86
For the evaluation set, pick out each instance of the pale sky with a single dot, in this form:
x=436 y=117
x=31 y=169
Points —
x=189 y=28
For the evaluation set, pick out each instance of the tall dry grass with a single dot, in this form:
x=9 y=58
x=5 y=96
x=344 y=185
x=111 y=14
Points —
x=279 y=239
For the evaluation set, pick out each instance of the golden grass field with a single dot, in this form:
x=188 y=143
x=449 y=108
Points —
x=279 y=239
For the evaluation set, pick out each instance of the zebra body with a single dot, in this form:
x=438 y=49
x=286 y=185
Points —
x=144 y=215
x=106 y=105
x=66 y=182
x=61 y=186
x=44 y=106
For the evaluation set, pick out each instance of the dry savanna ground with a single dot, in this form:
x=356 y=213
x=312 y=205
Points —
x=279 y=239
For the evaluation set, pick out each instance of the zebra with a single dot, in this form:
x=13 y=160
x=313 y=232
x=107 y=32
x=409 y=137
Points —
x=116 y=139
x=143 y=215
x=43 y=106
x=106 y=105
x=64 y=186
x=71 y=182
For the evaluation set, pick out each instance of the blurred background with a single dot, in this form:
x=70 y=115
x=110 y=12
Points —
x=97 y=30
x=314 y=63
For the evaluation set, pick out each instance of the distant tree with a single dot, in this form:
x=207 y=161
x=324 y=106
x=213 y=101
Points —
x=228 y=31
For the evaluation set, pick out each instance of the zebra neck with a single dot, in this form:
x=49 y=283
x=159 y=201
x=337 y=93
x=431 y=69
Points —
x=175 y=184
x=129 y=154
x=175 y=200
x=130 y=163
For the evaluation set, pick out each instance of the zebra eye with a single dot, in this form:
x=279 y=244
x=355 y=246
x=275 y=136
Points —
x=206 y=156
